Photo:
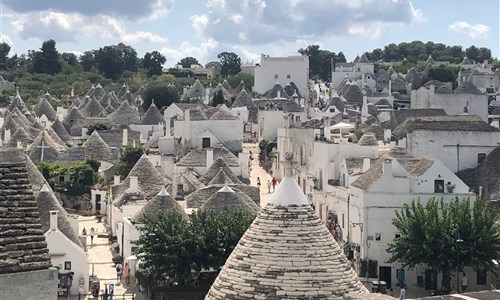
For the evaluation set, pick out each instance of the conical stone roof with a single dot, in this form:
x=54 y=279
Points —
x=97 y=148
x=125 y=115
x=196 y=91
x=221 y=178
x=51 y=150
x=20 y=135
x=47 y=201
x=218 y=165
x=241 y=86
x=228 y=87
x=45 y=108
x=287 y=253
x=162 y=202
x=92 y=109
x=61 y=131
x=227 y=200
x=243 y=100
x=152 y=116
x=22 y=241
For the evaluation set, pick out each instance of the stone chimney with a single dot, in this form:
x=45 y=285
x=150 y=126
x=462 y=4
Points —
x=210 y=157
x=387 y=167
x=390 y=87
x=387 y=135
x=286 y=121
x=187 y=116
x=7 y=136
x=116 y=179
x=134 y=184
x=125 y=137
x=278 y=94
x=366 y=164
x=53 y=219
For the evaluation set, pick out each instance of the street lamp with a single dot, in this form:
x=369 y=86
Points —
x=458 y=241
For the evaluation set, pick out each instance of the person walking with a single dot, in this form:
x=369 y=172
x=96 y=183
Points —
x=465 y=283
x=269 y=184
x=119 y=272
x=258 y=182
x=92 y=233
x=126 y=273
x=274 y=183
x=402 y=292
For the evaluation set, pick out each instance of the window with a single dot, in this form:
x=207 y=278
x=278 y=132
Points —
x=67 y=265
x=378 y=237
x=438 y=186
x=397 y=236
x=297 y=118
x=276 y=76
x=205 y=142
x=288 y=76
x=480 y=157
x=481 y=278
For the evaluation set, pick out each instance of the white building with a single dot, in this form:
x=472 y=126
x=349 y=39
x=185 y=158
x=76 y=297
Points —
x=364 y=206
x=460 y=142
x=282 y=70
x=466 y=99
x=353 y=70
x=203 y=128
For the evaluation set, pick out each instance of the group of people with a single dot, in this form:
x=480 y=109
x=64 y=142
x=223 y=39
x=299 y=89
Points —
x=92 y=234
x=270 y=183
x=123 y=271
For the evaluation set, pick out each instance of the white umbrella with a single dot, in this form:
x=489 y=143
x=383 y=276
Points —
x=342 y=126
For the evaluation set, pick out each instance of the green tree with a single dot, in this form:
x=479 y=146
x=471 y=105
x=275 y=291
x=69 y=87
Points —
x=4 y=55
x=218 y=99
x=129 y=55
x=428 y=235
x=110 y=62
x=129 y=156
x=180 y=247
x=186 y=62
x=47 y=59
x=88 y=60
x=472 y=53
x=153 y=63
x=230 y=63
x=248 y=79
x=216 y=65
x=96 y=126
x=70 y=58
x=162 y=92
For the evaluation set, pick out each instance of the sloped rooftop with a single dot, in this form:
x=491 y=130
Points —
x=162 y=202
x=22 y=243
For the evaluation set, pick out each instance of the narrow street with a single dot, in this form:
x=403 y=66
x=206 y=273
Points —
x=101 y=264
x=257 y=171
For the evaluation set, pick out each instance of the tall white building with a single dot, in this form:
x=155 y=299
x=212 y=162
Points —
x=282 y=70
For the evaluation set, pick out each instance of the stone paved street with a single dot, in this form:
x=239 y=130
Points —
x=100 y=259
x=257 y=171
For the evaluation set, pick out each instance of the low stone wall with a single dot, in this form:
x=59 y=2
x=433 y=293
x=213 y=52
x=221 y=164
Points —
x=34 y=285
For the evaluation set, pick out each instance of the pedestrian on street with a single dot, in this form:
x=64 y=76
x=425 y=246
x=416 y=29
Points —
x=126 y=273
x=92 y=233
x=274 y=183
x=119 y=270
x=465 y=283
x=402 y=292
x=269 y=184
x=258 y=182
x=84 y=232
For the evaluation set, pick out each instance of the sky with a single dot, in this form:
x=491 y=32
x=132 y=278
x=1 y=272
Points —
x=249 y=28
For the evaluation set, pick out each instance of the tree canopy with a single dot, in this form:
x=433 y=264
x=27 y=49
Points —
x=4 y=54
x=47 y=59
x=129 y=156
x=230 y=63
x=429 y=235
x=180 y=247
x=320 y=61
x=153 y=62
x=186 y=62
x=162 y=92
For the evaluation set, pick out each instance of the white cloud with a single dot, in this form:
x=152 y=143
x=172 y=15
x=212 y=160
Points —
x=472 y=31
x=69 y=27
x=6 y=39
x=261 y=22
x=129 y=9
x=202 y=52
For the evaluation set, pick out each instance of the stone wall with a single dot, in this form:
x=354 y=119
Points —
x=34 y=285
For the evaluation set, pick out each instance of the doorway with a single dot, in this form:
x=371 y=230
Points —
x=98 y=203
x=205 y=142
x=431 y=280
x=385 y=274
